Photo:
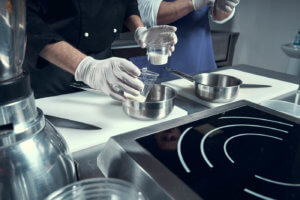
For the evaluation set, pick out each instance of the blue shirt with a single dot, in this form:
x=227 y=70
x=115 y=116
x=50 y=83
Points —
x=193 y=53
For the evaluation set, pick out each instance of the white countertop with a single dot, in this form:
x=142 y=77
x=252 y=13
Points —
x=95 y=109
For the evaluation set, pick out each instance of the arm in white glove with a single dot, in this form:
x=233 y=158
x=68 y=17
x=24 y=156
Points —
x=156 y=34
x=99 y=74
x=105 y=74
x=223 y=10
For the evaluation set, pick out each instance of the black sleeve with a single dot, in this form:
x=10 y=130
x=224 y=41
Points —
x=39 y=34
x=132 y=8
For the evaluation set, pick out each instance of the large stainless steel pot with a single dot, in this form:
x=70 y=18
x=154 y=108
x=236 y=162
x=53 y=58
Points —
x=159 y=104
x=216 y=88
x=34 y=158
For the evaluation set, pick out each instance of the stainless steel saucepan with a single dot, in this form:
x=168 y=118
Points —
x=158 y=105
x=217 y=88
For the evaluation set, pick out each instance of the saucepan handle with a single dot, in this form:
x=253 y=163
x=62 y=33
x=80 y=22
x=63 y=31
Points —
x=180 y=74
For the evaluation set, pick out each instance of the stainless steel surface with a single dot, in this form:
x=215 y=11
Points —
x=21 y=131
x=35 y=162
x=87 y=158
x=123 y=154
x=35 y=159
x=129 y=171
x=18 y=113
x=12 y=38
x=159 y=104
x=217 y=88
x=67 y=123
x=193 y=79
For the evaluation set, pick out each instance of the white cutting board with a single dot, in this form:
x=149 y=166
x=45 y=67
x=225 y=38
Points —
x=95 y=109
x=185 y=88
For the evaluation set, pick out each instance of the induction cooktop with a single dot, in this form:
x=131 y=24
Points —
x=243 y=151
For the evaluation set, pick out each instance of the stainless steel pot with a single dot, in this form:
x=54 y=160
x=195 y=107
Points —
x=215 y=88
x=34 y=158
x=159 y=104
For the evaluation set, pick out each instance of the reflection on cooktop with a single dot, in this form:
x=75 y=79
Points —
x=240 y=154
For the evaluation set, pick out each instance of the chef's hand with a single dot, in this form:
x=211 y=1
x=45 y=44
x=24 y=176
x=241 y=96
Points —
x=226 y=5
x=104 y=75
x=199 y=4
x=156 y=34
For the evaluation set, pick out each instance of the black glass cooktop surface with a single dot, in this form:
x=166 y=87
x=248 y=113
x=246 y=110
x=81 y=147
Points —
x=243 y=153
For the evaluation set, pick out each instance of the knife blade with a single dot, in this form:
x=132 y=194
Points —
x=83 y=86
x=67 y=123
x=254 y=86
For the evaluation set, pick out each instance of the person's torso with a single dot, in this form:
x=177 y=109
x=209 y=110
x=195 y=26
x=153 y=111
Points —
x=89 y=25
x=193 y=53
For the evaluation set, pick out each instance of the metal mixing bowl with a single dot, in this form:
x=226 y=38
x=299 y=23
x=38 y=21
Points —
x=158 y=105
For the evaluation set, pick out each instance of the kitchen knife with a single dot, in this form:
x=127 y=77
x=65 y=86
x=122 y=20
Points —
x=67 y=123
x=83 y=86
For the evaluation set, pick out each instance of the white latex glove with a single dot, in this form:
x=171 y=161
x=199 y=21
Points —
x=105 y=74
x=198 y=4
x=156 y=34
x=226 y=5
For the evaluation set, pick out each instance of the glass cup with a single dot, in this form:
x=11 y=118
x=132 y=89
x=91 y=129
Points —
x=148 y=78
x=158 y=53
x=96 y=189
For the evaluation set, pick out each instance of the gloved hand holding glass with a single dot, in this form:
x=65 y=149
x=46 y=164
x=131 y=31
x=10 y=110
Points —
x=105 y=75
x=159 y=40
x=108 y=74
x=148 y=78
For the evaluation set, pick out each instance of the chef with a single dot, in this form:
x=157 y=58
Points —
x=194 y=52
x=71 y=39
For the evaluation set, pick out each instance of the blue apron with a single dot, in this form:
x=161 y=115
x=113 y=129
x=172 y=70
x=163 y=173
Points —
x=193 y=53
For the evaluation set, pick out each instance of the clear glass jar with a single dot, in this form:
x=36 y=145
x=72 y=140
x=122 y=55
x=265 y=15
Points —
x=158 y=53
x=98 y=189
